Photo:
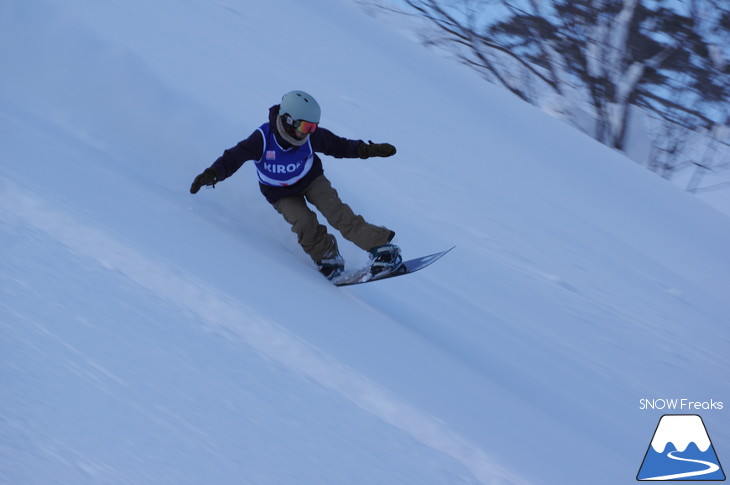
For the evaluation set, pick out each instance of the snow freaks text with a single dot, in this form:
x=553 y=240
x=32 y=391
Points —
x=680 y=404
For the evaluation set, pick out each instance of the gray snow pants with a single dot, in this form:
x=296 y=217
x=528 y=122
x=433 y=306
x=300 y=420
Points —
x=313 y=236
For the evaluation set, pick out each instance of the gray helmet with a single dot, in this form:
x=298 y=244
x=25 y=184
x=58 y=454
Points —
x=300 y=106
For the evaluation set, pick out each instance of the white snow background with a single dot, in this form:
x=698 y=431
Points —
x=149 y=336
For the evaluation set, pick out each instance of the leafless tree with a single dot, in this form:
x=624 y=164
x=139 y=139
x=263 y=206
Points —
x=602 y=57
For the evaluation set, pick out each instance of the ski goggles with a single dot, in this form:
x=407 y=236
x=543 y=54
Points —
x=301 y=125
x=305 y=126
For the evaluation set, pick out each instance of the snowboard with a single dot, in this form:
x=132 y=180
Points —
x=363 y=275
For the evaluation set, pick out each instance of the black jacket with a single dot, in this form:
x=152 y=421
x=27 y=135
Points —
x=252 y=148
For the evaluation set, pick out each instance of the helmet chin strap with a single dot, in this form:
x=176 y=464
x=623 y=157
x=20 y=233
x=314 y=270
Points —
x=287 y=137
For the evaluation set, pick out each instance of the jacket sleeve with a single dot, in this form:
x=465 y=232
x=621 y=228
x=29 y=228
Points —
x=324 y=141
x=252 y=148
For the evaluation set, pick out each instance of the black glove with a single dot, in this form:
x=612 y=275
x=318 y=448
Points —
x=208 y=177
x=370 y=149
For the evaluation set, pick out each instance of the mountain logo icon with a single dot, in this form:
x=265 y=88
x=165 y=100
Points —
x=680 y=450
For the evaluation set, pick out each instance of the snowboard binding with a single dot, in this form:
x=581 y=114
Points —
x=385 y=259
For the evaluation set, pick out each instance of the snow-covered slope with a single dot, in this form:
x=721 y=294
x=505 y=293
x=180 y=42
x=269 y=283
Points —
x=151 y=336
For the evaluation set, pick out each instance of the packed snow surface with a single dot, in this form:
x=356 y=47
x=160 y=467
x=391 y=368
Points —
x=149 y=336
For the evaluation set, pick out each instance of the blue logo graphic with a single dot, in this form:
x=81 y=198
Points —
x=681 y=450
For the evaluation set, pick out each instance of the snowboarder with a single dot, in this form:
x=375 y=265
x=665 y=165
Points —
x=290 y=175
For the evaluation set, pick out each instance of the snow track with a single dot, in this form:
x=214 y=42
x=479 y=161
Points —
x=222 y=313
x=149 y=336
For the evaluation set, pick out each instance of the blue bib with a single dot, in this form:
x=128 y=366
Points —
x=280 y=167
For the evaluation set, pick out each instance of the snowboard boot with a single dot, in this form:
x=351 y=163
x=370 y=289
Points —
x=331 y=268
x=385 y=260
x=333 y=264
